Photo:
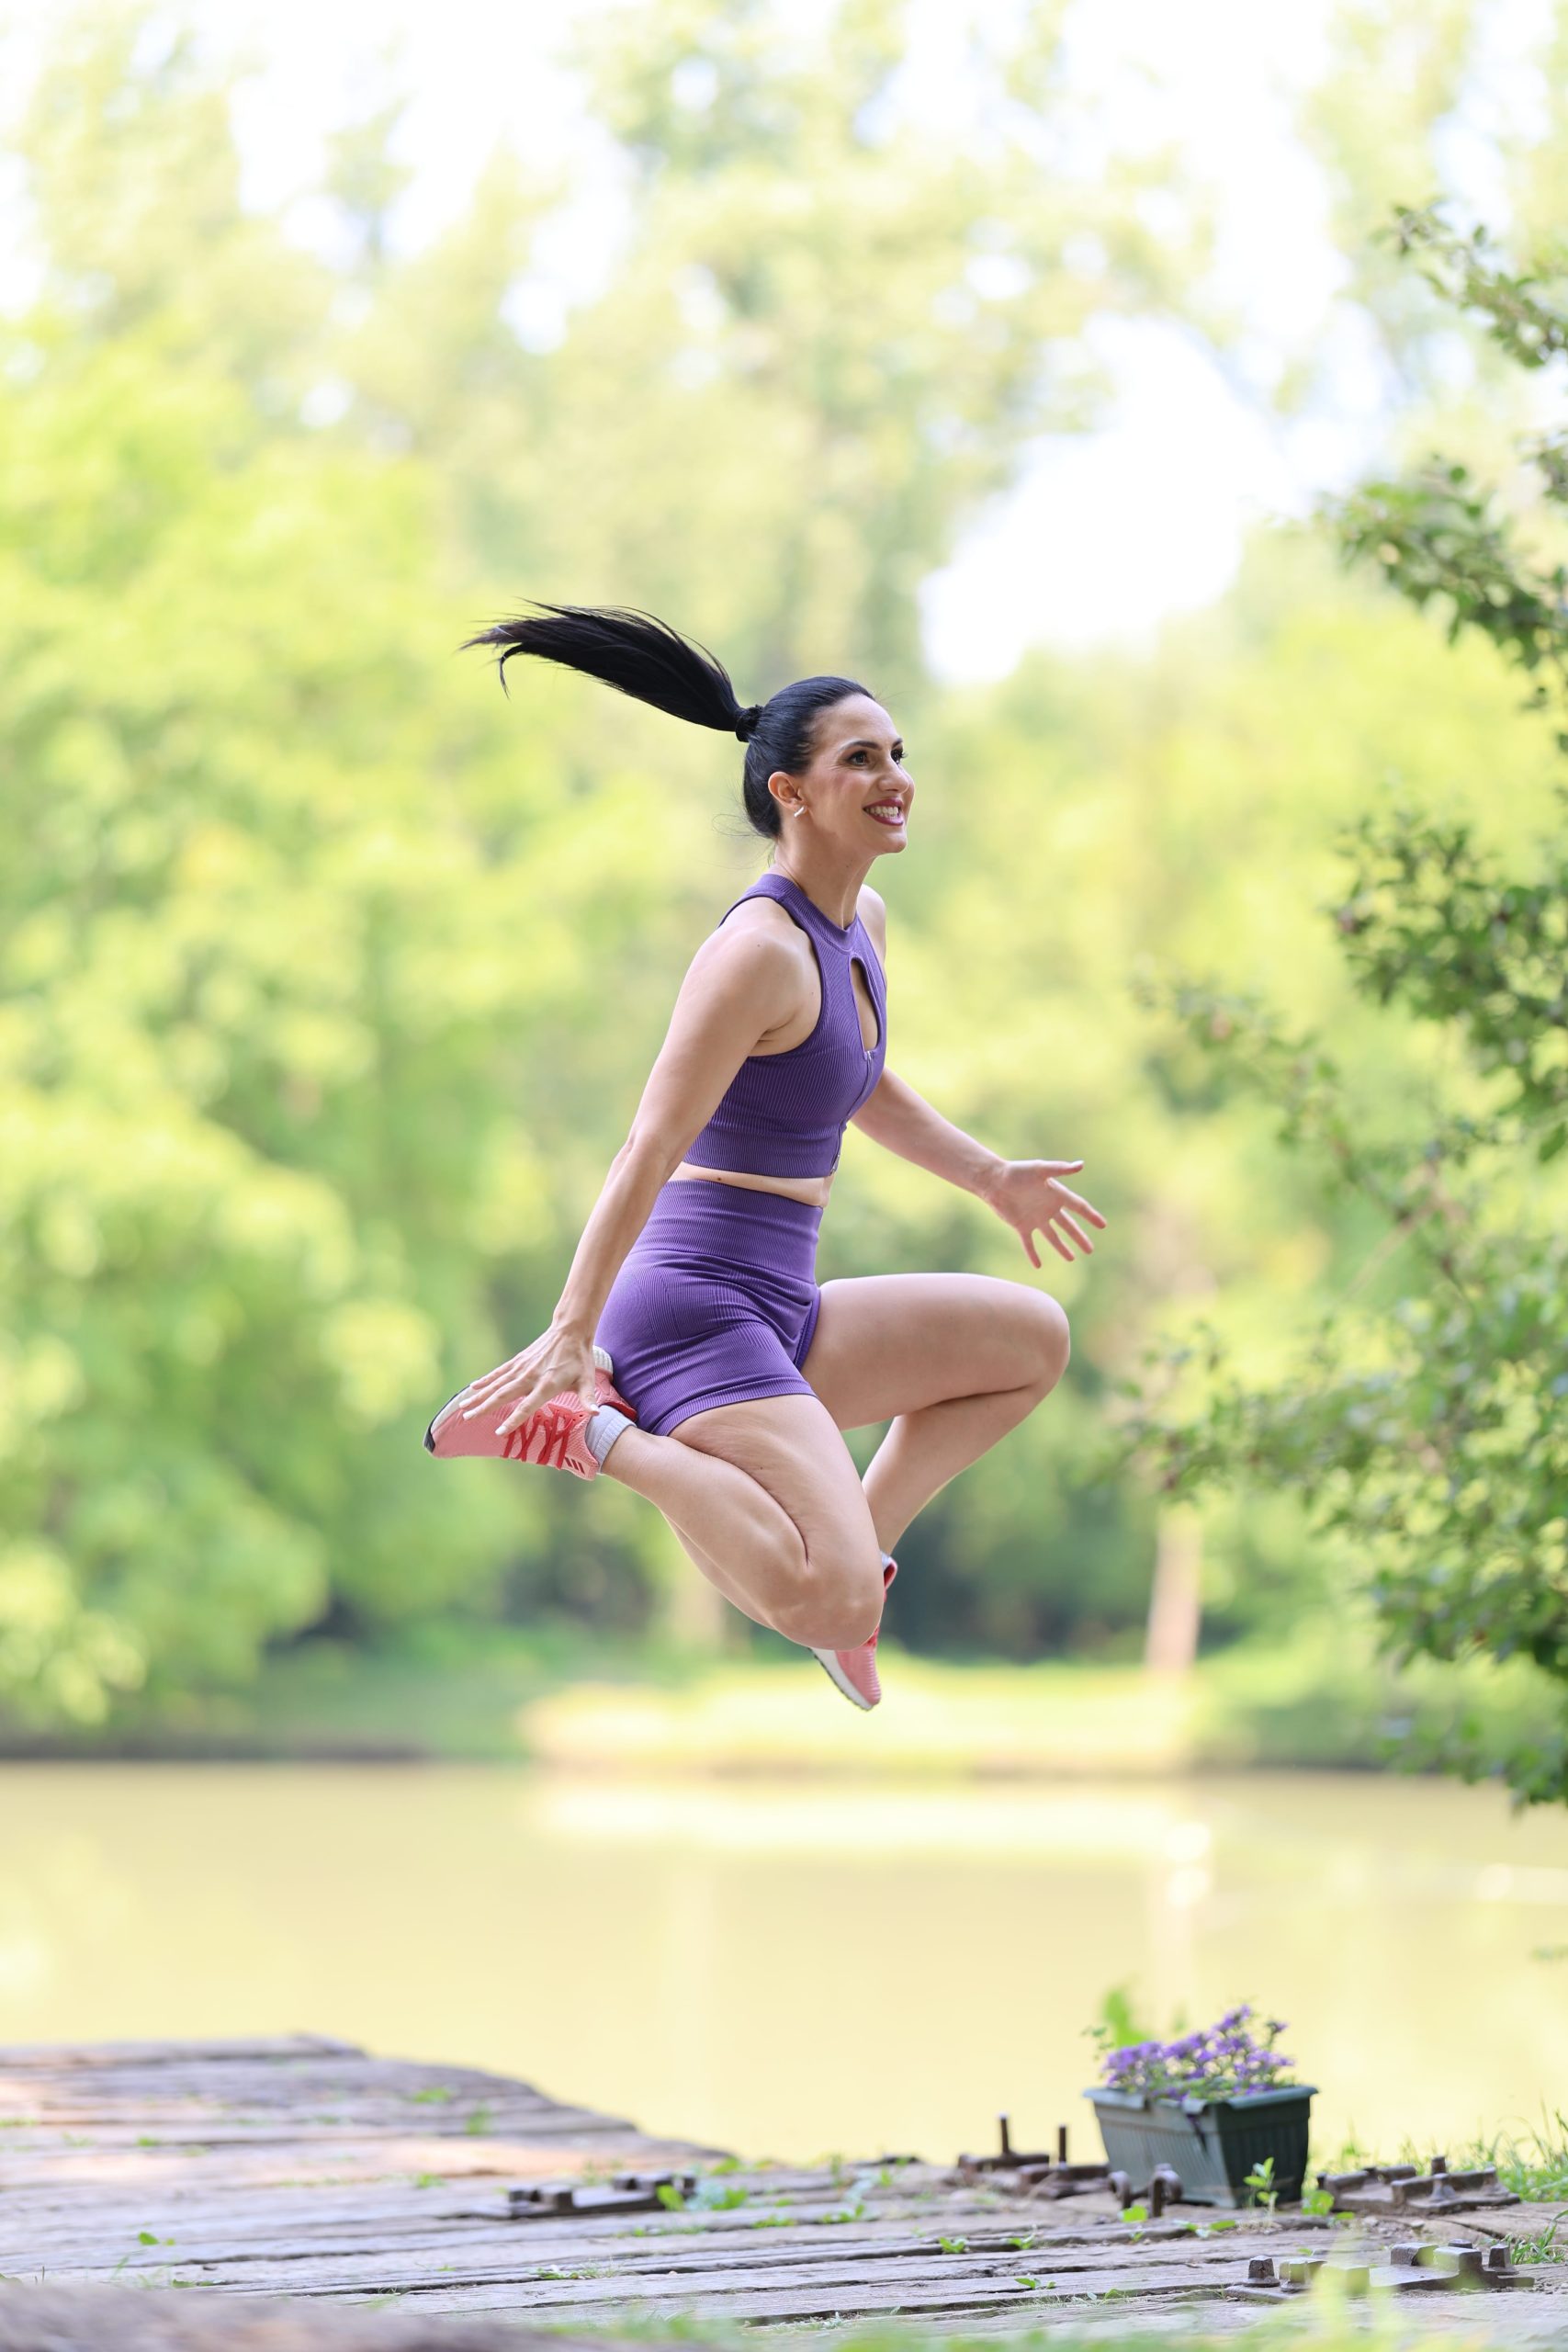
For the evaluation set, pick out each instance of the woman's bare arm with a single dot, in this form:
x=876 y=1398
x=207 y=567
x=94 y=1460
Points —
x=740 y=983
x=1027 y=1194
x=733 y=992
x=903 y=1122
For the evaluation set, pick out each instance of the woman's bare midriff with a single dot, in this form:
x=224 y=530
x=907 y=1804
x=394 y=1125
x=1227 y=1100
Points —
x=812 y=1189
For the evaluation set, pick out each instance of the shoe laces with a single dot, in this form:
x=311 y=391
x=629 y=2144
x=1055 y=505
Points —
x=558 y=1420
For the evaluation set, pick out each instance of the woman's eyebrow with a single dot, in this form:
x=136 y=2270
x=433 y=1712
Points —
x=864 y=743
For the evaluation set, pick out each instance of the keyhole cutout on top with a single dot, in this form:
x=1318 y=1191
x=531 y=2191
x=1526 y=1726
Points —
x=864 y=1004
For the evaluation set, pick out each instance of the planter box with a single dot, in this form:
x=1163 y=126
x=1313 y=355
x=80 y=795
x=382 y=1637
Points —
x=1211 y=2143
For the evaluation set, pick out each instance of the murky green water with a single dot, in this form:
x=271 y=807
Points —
x=794 y=1969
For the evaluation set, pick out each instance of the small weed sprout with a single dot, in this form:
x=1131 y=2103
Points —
x=1260 y=2181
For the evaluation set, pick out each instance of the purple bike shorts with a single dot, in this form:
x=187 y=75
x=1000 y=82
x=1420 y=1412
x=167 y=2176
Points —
x=716 y=1303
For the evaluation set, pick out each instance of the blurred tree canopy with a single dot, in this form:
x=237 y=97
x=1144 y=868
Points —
x=1429 y=1421
x=307 y=939
x=305 y=1085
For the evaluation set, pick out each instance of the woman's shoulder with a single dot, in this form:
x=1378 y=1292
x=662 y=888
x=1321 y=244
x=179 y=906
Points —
x=758 y=913
x=756 y=934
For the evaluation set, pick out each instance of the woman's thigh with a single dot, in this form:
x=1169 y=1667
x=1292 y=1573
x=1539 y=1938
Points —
x=791 y=1446
x=892 y=1343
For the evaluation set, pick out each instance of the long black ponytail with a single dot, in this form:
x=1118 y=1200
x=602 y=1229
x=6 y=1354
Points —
x=643 y=657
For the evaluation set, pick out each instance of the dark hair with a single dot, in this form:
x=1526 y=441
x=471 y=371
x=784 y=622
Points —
x=644 y=658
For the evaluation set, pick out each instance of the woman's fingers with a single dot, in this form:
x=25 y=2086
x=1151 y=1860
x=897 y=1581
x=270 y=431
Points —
x=531 y=1399
x=494 y=1391
x=477 y=1398
x=487 y=1383
x=1079 y=1202
x=465 y=1397
x=1066 y=1219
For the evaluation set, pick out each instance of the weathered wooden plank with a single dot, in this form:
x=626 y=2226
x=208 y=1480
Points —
x=675 y=2268
x=845 y=2299
x=336 y=2215
x=207 y=2131
x=272 y=2048
x=142 y=2319
x=335 y=2212
x=613 y=2286
x=287 y=2082
x=315 y=2104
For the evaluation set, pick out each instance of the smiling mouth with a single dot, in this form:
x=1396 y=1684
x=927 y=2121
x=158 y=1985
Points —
x=887 y=812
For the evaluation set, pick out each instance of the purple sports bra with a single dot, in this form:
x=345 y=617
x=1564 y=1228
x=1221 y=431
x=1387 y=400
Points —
x=784 y=1114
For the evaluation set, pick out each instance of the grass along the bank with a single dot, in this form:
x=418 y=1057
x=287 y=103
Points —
x=452 y=1689
x=1316 y=1700
x=564 y=1696
x=1533 y=2164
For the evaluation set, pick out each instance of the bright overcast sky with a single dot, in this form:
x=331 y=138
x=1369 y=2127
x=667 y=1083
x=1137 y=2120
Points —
x=1108 y=533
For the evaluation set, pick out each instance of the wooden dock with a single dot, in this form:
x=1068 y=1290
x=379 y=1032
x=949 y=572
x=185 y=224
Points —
x=381 y=2202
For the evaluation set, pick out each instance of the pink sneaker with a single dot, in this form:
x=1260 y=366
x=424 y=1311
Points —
x=551 y=1434
x=854 y=1671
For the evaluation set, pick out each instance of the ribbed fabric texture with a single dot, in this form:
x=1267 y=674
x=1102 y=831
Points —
x=715 y=1301
x=784 y=1114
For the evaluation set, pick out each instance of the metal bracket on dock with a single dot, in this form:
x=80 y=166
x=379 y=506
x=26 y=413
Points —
x=1391 y=2188
x=1163 y=2189
x=1032 y=2174
x=1271 y=2280
x=627 y=2192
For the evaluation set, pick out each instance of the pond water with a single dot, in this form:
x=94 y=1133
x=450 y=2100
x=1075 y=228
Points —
x=791 y=1970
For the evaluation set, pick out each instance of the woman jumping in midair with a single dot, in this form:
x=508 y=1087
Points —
x=720 y=1374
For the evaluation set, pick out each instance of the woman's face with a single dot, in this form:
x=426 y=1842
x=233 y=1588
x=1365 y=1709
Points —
x=857 y=790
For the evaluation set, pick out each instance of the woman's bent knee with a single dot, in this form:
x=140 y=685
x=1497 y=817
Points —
x=1054 y=1335
x=832 y=1607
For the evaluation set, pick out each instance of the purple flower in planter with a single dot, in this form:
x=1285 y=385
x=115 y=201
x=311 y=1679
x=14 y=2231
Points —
x=1209 y=2063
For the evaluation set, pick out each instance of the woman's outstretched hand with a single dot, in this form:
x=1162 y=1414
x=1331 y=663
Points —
x=554 y=1361
x=1029 y=1195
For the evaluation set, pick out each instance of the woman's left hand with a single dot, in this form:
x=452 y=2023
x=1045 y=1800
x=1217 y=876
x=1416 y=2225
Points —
x=1029 y=1195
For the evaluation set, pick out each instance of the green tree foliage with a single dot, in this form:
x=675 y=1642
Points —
x=1398 y=75
x=328 y=979
x=821 y=347
x=1430 y=1430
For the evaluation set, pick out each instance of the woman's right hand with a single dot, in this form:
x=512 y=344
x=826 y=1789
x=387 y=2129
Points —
x=557 y=1361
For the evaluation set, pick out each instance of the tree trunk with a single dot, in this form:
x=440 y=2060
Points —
x=1176 y=1606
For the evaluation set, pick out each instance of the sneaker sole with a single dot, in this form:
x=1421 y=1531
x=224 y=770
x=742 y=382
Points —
x=841 y=1681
